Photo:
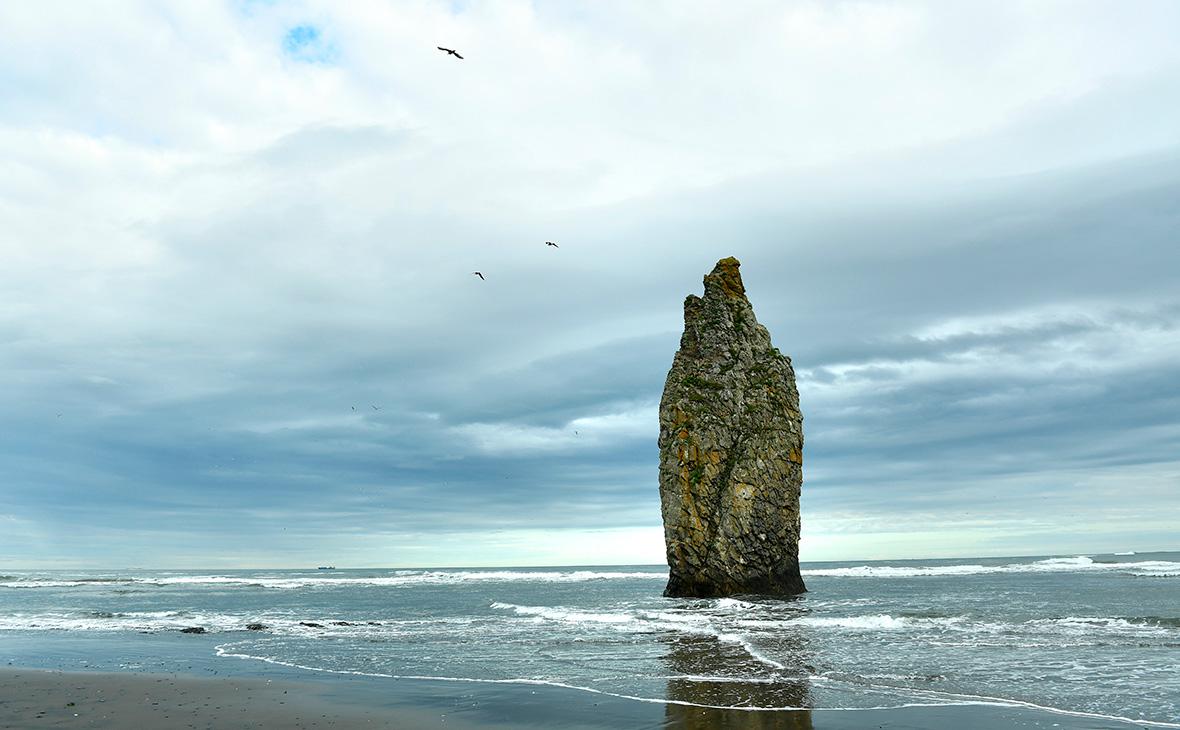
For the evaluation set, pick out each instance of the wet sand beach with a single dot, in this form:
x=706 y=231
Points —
x=37 y=698
x=34 y=698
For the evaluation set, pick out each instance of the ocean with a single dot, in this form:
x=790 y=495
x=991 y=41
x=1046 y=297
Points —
x=1093 y=637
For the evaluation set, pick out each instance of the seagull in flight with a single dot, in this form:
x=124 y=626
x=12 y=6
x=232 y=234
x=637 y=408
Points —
x=375 y=408
x=479 y=275
x=451 y=51
x=551 y=243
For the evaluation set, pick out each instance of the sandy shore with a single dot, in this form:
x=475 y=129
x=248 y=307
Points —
x=45 y=699
x=37 y=698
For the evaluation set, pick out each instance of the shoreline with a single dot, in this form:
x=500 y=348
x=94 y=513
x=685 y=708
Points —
x=43 y=698
x=35 y=698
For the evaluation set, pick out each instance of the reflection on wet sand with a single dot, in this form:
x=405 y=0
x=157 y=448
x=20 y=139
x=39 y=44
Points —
x=698 y=657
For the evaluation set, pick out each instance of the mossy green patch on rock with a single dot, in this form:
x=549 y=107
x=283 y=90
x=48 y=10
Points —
x=695 y=381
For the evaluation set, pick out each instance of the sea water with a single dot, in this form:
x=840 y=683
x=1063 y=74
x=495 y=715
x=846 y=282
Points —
x=1095 y=636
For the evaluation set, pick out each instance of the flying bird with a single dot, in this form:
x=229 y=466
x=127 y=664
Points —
x=451 y=51
x=551 y=243
x=375 y=408
x=479 y=275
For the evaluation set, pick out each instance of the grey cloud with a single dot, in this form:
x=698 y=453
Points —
x=977 y=319
x=204 y=428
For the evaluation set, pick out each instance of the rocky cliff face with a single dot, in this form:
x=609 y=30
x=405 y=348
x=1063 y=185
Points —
x=731 y=451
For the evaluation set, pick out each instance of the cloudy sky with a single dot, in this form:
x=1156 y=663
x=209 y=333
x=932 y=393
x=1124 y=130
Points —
x=238 y=323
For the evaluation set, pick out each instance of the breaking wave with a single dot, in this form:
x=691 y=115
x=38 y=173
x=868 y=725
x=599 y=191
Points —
x=310 y=626
x=396 y=578
x=409 y=578
x=880 y=622
x=1078 y=564
x=646 y=621
x=144 y=621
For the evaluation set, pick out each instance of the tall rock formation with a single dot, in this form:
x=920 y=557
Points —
x=731 y=451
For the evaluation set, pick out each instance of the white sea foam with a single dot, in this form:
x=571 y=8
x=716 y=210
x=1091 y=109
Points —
x=638 y=621
x=958 y=698
x=1153 y=569
x=98 y=621
x=231 y=650
x=644 y=622
x=879 y=622
x=1088 y=625
x=906 y=696
x=1081 y=563
x=732 y=603
x=45 y=583
x=213 y=622
x=396 y=578
x=1150 y=568
x=567 y=615
x=969 y=632
x=741 y=627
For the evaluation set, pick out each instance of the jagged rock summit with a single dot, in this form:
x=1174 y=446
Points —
x=731 y=451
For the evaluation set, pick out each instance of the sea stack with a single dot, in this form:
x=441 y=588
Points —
x=731 y=451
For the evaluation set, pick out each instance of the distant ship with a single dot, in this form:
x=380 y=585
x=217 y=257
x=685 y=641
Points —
x=326 y=567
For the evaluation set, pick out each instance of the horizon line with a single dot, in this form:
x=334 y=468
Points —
x=662 y=566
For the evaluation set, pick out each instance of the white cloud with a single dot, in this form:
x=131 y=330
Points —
x=588 y=431
x=1090 y=340
x=198 y=226
x=1088 y=511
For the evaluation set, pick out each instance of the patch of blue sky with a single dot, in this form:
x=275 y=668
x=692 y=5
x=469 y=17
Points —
x=247 y=7
x=306 y=43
